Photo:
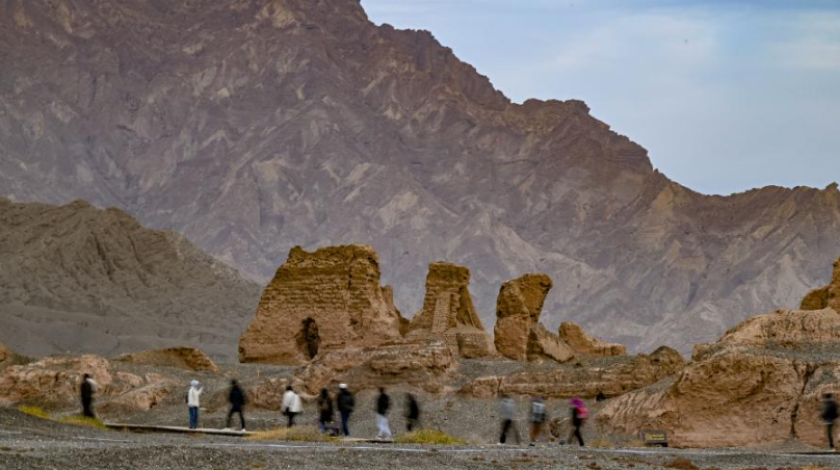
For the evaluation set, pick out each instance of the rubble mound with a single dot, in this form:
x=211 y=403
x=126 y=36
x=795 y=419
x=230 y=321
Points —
x=55 y=381
x=760 y=384
x=825 y=297
x=584 y=345
x=424 y=364
x=603 y=378
x=326 y=299
x=449 y=314
x=182 y=358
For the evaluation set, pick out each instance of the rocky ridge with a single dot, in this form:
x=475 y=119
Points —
x=760 y=384
x=82 y=279
x=251 y=126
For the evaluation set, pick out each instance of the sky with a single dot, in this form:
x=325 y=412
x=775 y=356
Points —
x=724 y=95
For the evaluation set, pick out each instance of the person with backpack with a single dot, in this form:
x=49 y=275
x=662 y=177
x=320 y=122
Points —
x=87 y=390
x=412 y=412
x=829 y=415
x=345 y=404
x=508 y=415
x=579 y=416
x=325 y=410
x=236 y=396
x=291 y=405
x=539 y=416
x=194 y=402
x=383 y=404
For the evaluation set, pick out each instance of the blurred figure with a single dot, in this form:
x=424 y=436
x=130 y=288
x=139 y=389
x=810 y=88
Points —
x=412 y=412
x=538 y=417
x=383 y=404
x=830 y=415
x=325 y=410
x=291 y=405
x=346 y=403
x=508 y=414
x=579 y=416
x=237 y=403
x=194 y=402
x=86 y=391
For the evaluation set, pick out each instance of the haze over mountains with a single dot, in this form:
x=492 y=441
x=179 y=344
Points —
x=251 y=126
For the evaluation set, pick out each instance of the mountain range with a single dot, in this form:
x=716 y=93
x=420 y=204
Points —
x=251 y=126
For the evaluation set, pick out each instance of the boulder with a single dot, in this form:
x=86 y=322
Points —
x=449 y=314
x=605 y=379
x=518 y=309
x=584 y=345
x=180 y=358
x=825 y=297
x=330 y=298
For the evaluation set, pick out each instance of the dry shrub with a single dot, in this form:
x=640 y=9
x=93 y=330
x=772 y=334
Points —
x=601 y=444
x=430 y=436
x=84 y=421
x=300 y=434
x=34 y=411
x=681 y=463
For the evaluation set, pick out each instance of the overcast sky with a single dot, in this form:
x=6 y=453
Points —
x=725 y=95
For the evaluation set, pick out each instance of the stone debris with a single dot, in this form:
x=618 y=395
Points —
x=330 y=298
x=584 y=345
x=183 y=358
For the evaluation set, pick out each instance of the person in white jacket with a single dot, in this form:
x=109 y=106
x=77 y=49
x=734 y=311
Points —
x=194 y=402
x=291 y=405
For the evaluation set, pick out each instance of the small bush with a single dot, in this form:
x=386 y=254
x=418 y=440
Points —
x=601 y=444
x=681 y=463
x=83 y=421
x=34 y=411
x=300 y=434
x=430 y=436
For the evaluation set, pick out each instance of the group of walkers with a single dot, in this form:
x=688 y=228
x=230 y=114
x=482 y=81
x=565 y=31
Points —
x=538 y=416
x=292 y=405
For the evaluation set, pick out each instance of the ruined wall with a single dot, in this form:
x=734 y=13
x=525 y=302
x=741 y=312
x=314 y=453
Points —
x=449 y=314
x=330 y=298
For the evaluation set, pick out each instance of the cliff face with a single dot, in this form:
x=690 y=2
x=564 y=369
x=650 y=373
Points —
x=252 y=126
x=87 y=280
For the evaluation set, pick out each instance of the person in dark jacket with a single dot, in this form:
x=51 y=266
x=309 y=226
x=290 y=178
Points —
x=345 y=404
x=412 y=412
x=383 y=404
x=325 y=410
x=829 y=415
x=237 y=403
x=86 y=391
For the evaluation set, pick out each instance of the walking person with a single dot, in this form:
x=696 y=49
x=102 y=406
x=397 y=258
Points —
x=383 y=404
x=194 y=402
x=412 y=412
x=237 y=404
x=346 y=403
x=325 y=410
x=87 y=390
x=291 y=405
x=579 y=416
x=829 y=415
x=538 y=417
x=508 y=415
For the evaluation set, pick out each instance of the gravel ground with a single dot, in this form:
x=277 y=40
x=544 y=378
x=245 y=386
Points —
x=29 y=443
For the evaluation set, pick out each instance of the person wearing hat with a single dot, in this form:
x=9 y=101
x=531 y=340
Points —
x=194 y=402
x=345 y=404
